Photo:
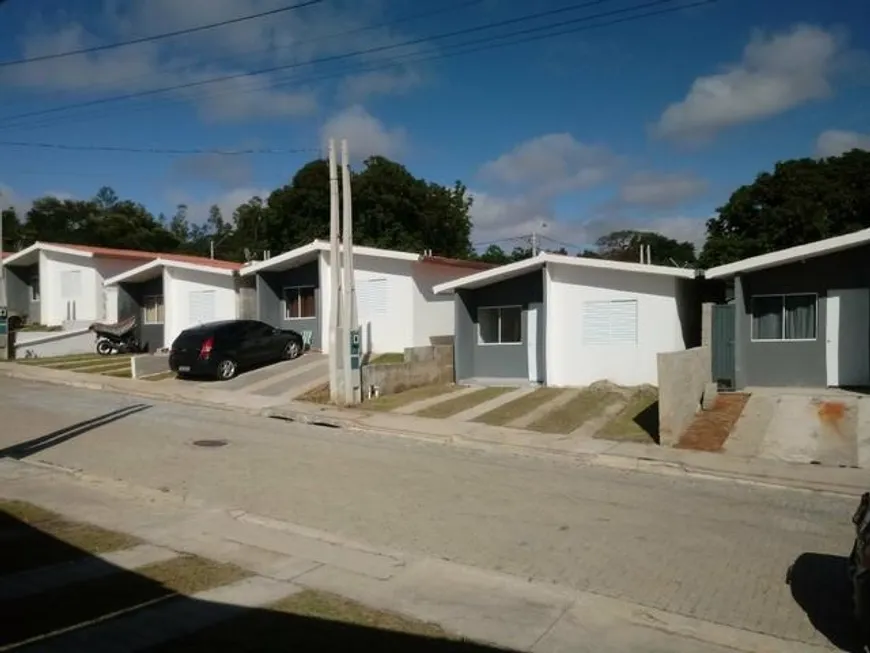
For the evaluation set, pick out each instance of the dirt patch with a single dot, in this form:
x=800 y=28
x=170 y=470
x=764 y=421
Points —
x=638 y=421
x=518 y=407
x=318 y=395
x=585 y=406
x=450 y=407
x=710 y=428
x=399 y=399
x=318 y=621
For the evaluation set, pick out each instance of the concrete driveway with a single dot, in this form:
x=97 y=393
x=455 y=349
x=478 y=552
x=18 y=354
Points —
x=287 y=379
x=812 y=425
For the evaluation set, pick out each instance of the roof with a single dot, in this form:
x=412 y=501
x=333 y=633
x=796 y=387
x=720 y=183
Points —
x=791 y=255
x=309 y=252
x=503 y=272
x=87 y=251
x=458 y=263
x=155 y=267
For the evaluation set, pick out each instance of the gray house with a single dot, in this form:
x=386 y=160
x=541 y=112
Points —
x=796 y=317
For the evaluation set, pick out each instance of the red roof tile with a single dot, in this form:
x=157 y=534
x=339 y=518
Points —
x=458 y=263
x=135 y=254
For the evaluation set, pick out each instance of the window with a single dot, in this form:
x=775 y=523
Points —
x=784 y=317
x=152 y=308
x=299 y=303
x=500 y=325
x=34 y=287
x=610 y=322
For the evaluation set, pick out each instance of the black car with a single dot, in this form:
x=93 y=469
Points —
x=221 y=349
x=859 y=566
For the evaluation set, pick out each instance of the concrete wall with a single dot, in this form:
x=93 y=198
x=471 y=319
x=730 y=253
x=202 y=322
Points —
x=422 y=366
x=246 y=298
x=148 y=364
x=575 y=362
x=682 y=377
x=63 y=343
x=433 y=314
x=497 y=361
x=180 y=286
x=801 y=363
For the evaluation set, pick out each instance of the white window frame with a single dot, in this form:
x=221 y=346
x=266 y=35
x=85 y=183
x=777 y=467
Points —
x=145 y=319
x=287 y=316
x=499 y=343
x=35 y=289
x=783 y=295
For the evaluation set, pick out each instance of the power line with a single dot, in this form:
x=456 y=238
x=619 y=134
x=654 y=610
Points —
x=158 y=37
x=154 y=150
x=483 y=44
x=336 y=57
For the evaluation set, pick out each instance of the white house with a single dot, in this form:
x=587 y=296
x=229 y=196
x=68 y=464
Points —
x=172 y=293
x=569 y=321
x=55 y=284
x=395 y=303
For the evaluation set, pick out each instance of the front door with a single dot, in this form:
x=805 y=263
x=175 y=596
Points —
x=847 y=329
x=532 y=314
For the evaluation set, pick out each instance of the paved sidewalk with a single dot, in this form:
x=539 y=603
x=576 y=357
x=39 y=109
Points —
x=481 y=605
x=631 y=456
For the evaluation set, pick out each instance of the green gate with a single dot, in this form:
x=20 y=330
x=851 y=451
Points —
x=722 y=345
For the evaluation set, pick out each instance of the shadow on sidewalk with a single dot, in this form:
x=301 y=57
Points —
x=30 y=447
x=820 y=585
x=63 y=618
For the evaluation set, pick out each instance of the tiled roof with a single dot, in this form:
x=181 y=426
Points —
x=135 y=254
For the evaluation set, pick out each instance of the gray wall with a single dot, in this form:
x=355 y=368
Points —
x=799 y=364
x=18 y=291
x=473 y=360
x=130 y=303
x=270 y=289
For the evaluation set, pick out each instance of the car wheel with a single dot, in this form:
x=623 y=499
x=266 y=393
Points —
x=292 y=350
x=226 y=370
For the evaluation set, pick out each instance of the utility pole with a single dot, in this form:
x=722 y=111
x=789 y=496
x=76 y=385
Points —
x=534 y=243
x=348 y=314
x=335 y=342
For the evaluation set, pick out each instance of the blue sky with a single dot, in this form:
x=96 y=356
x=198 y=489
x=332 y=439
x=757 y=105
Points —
x=650 y=123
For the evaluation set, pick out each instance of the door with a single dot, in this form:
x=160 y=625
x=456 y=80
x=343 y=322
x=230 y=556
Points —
x=722 y=345
x=532 y=316
x=847 y=329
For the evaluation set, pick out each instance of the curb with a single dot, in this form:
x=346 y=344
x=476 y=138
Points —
x=612 y=461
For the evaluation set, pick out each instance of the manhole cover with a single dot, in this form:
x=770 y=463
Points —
x=210 y=443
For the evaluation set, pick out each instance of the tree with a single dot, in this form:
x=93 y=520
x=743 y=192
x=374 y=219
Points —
x=11 y=229
x=625 y=245
x=801 y=201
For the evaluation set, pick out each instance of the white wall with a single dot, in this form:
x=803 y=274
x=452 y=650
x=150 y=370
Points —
x=390 y=327
x=177 y=286
x=571 y=363
x=434 y=315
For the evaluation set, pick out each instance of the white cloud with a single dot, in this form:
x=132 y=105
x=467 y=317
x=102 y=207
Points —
x=501 y=218
x=9 y=198
x=778 y=72
x=291 y=38
x=361 y=87
x=835 y=142
x=552 y=164
x=224 y=170
x=366 y=135
x=656 y=190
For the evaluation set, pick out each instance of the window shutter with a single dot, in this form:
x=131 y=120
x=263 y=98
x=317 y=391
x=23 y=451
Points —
x=610 y=322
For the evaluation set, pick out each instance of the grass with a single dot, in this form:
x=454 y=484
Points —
x=456 y=405
x=126 y=373
x=162 y=376
x=391 y=402
x=518 y=407
x=318 y=395
x=387 y=358
x=318 y=621
x=51 y=360
x=638 y=421
x=40 y=328
x=588 y=404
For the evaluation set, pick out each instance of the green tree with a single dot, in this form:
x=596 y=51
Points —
x=625 y=245
x=11 y=229
x=801 y=201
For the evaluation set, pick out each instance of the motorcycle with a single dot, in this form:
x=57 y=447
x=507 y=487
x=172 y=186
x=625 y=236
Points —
x=118 y=338
x=859 y=567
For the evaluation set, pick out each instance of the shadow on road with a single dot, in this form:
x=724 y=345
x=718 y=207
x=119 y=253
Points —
x=138 y=612
x=34 y=446
x=820 y=585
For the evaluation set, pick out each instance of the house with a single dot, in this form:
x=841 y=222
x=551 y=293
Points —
x=797 y=317
x=55 y=284
x=396 y=307
x=569 y=321
x=174 y=292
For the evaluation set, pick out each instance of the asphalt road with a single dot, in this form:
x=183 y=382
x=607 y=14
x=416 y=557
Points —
x=709 y=549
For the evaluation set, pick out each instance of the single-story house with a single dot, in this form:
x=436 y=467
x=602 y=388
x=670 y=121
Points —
x=800 y=316
x=174 y=292
x=569 y=321
x=55 y=283
x=396 y=307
